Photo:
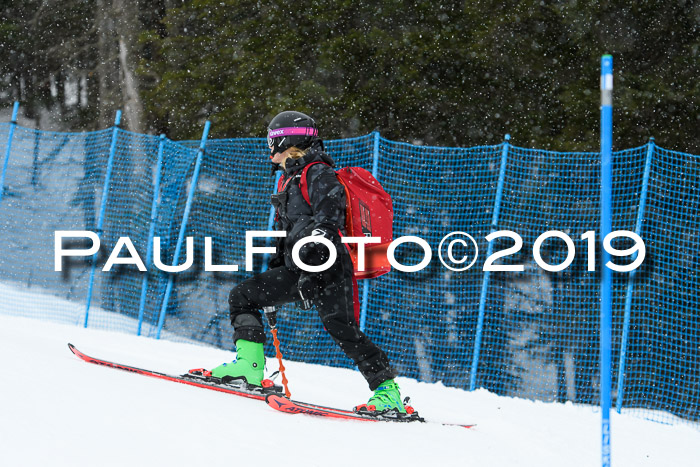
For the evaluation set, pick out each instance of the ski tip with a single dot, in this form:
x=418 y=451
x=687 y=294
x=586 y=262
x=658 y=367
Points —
x=75 y=351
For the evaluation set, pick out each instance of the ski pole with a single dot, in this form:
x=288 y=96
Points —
x=271 y=316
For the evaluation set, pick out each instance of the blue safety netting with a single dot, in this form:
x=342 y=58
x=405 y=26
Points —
x=539 y=333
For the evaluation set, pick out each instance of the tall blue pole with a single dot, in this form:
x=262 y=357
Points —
x=183 y=226
x=103 y=207
x=487 y=274
x=270 y=222
x=151 y=230
x=606 y=86
x=365 y=283
x=13 y=125
x=630 y=281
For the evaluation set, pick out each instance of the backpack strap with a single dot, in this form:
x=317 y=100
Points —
x=279 y=199
x=302 y=182
x=280 y=184
x=304 y=187
x=283 y=183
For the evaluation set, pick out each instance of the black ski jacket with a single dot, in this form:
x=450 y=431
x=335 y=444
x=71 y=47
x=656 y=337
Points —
x=324 y=216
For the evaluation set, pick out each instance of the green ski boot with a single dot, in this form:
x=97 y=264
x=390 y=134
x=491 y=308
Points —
x=386 y=398
x=248 y=365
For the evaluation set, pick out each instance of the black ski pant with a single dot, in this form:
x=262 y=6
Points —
x=335 y=304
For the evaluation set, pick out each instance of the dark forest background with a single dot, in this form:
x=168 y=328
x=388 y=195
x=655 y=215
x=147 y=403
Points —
x=439 y=73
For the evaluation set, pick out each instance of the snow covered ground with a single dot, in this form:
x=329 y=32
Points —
x=56 y=410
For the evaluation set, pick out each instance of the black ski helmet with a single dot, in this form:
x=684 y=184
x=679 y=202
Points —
x=289 y=129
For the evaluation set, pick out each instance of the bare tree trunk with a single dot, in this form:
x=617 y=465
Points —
x=109 y=99
x=133 y=107
x=118 y=28
x=128 y=28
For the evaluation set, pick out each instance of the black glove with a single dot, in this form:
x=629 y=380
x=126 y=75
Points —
x=277 y=259
x=309 y=286
x=314 y=253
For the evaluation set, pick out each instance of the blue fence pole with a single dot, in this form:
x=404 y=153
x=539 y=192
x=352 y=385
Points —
x=183 y=226
x=151 y=231
x=487 y=274
x=606 y=85
x=630 y=281
x=270 y=222
x=13 y=125
x=365 y=283
x=103 y=207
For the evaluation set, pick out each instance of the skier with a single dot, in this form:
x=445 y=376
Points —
x=294 y=143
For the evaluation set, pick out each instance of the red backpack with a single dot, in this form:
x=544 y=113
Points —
x=368 y=213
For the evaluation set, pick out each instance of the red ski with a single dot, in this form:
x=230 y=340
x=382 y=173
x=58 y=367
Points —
x=198 y=379
x=270 y=393
x=285 y=405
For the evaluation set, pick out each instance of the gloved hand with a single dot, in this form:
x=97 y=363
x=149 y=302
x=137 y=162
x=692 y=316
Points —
x=309 y=286
x=277 y=259
x=313 y=253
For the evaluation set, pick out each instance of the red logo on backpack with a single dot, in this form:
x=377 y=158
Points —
x=368 y=213
x=365 y=219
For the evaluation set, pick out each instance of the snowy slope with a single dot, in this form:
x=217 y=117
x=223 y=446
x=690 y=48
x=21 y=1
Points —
x=59 y=411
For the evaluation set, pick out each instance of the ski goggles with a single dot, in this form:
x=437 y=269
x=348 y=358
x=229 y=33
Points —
x=291 y=131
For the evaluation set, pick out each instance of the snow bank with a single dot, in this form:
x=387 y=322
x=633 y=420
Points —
x=60 y=411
